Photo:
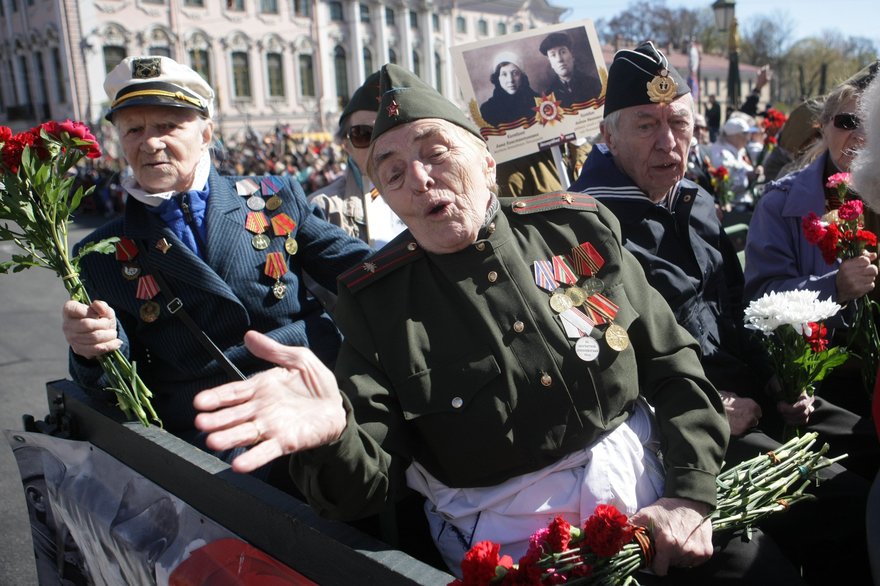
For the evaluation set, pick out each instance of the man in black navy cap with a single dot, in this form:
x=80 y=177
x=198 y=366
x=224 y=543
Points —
x=572 y=86
x=228 y=251
x=670 y=226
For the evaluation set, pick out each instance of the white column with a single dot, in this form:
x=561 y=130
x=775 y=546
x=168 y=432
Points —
x=355 y=45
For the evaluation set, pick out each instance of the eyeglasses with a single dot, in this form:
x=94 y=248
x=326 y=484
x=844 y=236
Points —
x=359 y=135
x=846 y=121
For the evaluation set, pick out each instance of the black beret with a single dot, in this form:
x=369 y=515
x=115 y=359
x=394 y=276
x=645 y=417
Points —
x=365 y=97
x=406 y=98
x=554 y=40
x=642 y=76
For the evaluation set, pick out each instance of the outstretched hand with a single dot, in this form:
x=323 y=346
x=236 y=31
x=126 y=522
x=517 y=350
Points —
x=293 y=407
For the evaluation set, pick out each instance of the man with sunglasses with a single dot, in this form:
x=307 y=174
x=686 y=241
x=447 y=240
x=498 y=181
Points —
x=351 y=202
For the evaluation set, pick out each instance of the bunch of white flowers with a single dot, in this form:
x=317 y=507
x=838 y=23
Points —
x=795 y=308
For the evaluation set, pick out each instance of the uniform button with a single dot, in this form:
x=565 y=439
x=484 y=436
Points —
x=518 y=327
x=686 y=198
x=546 y=380
x=491 y=228
x=492 y=276
x=519 y=204
x=412 y=246
x=481 y=246
x=457 y=402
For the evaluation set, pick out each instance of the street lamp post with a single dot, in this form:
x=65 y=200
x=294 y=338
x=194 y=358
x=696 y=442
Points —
x=725 y=20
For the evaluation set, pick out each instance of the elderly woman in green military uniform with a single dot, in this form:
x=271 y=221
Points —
x=497 y=359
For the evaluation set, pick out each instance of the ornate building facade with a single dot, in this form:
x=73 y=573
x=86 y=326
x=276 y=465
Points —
x=271 y=62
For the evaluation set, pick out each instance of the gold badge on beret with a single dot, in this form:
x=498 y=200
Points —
x=146 y=68
x=662 y=88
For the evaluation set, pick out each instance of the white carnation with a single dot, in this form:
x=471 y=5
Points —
x=795 y=308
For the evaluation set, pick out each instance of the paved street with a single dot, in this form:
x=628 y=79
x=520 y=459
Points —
x=32 y=352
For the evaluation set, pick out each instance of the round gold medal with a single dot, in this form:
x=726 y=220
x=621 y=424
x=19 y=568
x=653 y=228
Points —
x=616 y=338
x=273 y=203
x=278 y=290
x=559 y=302
x=290 y=245
x=149 y=311
x=260 y=241
x=577 y=295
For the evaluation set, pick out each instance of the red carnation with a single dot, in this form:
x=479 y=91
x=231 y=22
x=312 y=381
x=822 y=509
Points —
x=814 y=231
x=850 y=210
x=526 y=573
x=829 y=244
x=559 y=535
x=607 y=531
x=817 y=340
x=5 y=134
x=81 y=132
x=13 y=148
x=867 y=237
x=479 y=563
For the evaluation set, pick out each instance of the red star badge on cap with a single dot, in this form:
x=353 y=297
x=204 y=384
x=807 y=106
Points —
x=394 y=109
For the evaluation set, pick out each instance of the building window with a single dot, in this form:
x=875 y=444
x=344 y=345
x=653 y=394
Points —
x=517 y=27
x=198 y=59
x=364 y=11
x=460 y=25
x=435 y=22
x=235 y=5
x=368 y=62
x=153 y=1
x=336 y=14
x=44 y=85
x=438 y=72
x=113 y=56
x=269 y=6
x=14 y=6
x=194 y=3
x=417 y=64
x=302 y=8
x=58 y=69
x=161 y=51
x=389 y=16
x=501 y=29
x=392 y=56
x=483 y=27
x=275 y=73
x=340 y=69
x=413 y=19
x=306 y=76
x=241 y=82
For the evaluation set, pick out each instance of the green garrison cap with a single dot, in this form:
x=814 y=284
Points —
x=642 y=76
x=406 y=98
x=365 y=97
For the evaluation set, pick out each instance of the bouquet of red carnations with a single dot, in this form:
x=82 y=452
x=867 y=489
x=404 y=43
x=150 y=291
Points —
x=607 y=550
x=840 y=235
x=37 y=199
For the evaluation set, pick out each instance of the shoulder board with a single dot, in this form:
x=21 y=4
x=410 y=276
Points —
x=381 y=263
x=554 y=201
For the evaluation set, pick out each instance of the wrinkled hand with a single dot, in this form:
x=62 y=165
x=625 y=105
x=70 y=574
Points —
x=742 y=413
x=797 y=413
x=682 y=535
x=90 y=330
x=293 y=407
x=856 y=277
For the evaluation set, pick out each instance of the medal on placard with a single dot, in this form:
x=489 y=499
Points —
x=544 y=275
x=126 y=249
x=586 y=259
x=587 y=348
x=275 y=269
x=147 y=288
x=282 y=224
x=616 y=338
x=257 y=223
x=270 y=184
x=246 y=187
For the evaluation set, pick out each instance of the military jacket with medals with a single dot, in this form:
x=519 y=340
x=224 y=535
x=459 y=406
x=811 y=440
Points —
x=226 y=293
x=458 y=361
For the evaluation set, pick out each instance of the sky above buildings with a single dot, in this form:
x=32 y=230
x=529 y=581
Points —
x=809 y=17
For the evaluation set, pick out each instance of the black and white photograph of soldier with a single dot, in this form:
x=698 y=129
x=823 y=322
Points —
x=575 y=80
x=513 y=97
